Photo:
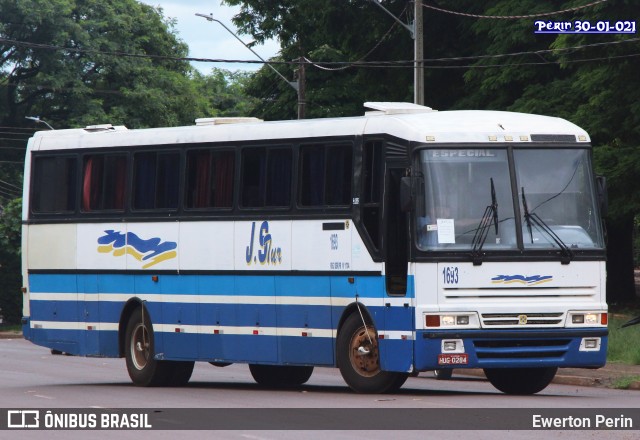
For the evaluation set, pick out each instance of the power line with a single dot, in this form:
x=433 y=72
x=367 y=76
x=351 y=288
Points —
x=324 y=63
x=11 y=184
x=406 y=63
x=515 y=17
x=13 y=148
x=16 y=128
x=362 y=58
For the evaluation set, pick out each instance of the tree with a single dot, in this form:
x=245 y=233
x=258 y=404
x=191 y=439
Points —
x=73 y=62
x=10 y=273
x=327 y=31
x=224 y=92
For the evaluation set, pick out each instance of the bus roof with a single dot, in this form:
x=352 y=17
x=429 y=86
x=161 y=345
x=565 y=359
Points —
x=402 y=120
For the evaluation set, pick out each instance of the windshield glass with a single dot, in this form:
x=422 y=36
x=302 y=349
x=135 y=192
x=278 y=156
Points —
x=457 y=187
x=558 y=189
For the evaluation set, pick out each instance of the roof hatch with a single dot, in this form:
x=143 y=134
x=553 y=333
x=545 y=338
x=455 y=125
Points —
x=224 y=120
x=396 y=108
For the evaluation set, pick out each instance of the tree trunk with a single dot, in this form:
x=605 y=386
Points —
x=620 y=279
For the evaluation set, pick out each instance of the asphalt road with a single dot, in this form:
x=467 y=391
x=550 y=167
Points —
x=30 y=377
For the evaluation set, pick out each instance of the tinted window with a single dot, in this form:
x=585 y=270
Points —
x=325 y=175
x=104 y=178
x=54 y=184
x=210 y=179
x=156 y=180
x=266 y=177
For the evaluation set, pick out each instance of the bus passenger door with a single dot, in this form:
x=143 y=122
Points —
x=396 y=345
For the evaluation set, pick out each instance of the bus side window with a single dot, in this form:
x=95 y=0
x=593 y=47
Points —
x=370 y=202
x=53 y=188
x=156 y=180
x=326 y=173
x=266 y=177
x=339 y=171
x=103 y=182
x=312 y=175
x=209 y=179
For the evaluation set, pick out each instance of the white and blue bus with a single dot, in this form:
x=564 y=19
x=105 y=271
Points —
x=402 y=241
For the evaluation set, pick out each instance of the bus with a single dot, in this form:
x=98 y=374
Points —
x=401 y=241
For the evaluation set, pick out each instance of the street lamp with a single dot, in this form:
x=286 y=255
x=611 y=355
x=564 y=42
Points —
x=295 y=85
x=37 y=120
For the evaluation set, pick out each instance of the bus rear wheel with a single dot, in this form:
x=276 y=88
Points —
x=359 y=361
x=522 y=381
x=139 y=352
x=280 y=375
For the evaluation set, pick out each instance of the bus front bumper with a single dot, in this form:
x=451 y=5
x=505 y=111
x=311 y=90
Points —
x=510 y=348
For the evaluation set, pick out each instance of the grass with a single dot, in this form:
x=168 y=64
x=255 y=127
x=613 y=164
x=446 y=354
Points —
x=11 y=328
x=624 y=382
x=624 y=343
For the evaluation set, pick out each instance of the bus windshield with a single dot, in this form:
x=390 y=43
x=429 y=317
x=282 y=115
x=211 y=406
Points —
x=467 y=192
x=556 y=186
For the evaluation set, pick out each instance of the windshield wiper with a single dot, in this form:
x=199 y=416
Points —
x=490 y=216
x=533 y=218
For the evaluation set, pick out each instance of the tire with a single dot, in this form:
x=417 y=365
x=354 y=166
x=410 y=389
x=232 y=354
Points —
x=180 y=372
x=444 y=374
x=521 y=381
x=361 y=371
x=220 y=364
x=280 y=375
x=139 y=352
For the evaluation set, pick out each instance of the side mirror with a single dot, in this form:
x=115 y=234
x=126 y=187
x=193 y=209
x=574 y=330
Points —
x=603 y=197
x=406 y=195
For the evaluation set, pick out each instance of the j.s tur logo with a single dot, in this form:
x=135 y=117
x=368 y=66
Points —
x=151 y=251
x=531 y=280
x=267 y=253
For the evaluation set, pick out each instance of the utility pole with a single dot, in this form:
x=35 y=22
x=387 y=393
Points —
x=302 y=103
x=417 y=33
x=418 y=36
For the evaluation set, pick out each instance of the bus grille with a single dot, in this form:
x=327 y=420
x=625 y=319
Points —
x=522 y=319
x=521 y=348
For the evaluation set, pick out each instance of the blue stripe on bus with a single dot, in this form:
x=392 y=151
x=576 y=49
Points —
x=241 y=315
x=252 y=285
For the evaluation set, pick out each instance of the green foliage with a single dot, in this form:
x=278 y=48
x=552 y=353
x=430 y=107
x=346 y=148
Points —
x=225 y=93
x=11 y=227
x=327 y=31
x=79 y=81
x=625 y=382
x=10 y=277
x=624 y=343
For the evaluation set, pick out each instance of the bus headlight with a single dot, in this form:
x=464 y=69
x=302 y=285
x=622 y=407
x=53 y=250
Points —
x=590 y=319
x=452 y=320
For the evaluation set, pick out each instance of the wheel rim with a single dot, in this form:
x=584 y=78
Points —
x=364 y=340
x=140 y=346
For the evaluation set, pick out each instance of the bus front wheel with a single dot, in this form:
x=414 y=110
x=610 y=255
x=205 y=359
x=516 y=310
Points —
x=359 y=362
x=522 y=381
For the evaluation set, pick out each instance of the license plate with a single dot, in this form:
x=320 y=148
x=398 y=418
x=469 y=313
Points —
x=453 y=359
